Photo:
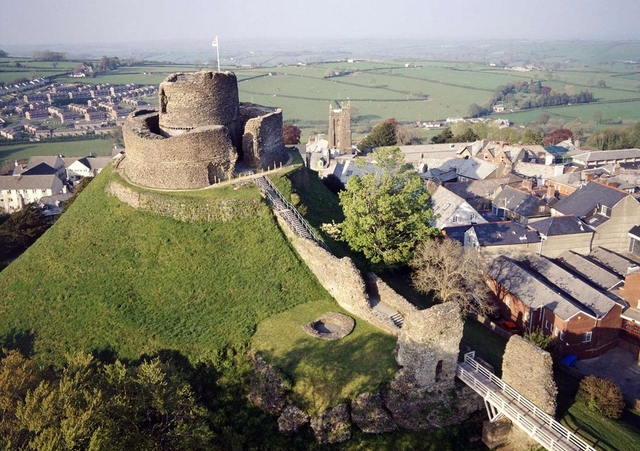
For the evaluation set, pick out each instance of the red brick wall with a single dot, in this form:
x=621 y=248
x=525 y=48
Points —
x=631 y=292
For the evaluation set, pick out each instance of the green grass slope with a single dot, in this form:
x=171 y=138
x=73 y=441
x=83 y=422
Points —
x=109 y=277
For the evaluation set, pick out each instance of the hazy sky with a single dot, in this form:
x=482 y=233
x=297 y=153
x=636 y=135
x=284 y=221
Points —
x=106 y=21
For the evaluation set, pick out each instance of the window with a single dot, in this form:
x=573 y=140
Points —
x=562 y=335
x=473 y=216
x=605 y=210
x=547 y=324
x=556 y=331
x=527 y=316
x=507 y=300
x=454 y=218
x=586 y=338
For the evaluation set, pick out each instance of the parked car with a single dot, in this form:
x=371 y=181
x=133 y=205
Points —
x=509 y=326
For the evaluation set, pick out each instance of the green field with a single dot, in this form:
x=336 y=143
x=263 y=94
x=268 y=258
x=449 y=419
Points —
x=100 y=147
x=423 y=91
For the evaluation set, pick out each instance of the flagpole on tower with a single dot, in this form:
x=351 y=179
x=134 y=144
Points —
x=215 y=44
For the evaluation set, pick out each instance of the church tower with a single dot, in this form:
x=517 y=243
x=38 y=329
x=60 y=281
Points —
x=340 y=128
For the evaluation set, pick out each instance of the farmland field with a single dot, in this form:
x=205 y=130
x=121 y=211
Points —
x=409 y=90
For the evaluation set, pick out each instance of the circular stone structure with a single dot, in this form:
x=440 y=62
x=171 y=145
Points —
x=199 y=134
x=330 y=326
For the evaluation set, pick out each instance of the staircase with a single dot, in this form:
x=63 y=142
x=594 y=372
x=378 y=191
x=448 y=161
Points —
x=286 y=211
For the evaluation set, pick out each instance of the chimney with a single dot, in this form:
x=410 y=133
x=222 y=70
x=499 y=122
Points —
x=527 y=184
x=551 y=191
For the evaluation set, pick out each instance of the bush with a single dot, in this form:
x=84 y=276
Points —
x=602 y=396
x=538 y=338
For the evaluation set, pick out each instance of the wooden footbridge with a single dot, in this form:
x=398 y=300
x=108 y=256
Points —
x=502 y=400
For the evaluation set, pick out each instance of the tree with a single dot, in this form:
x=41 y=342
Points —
x=20 y=231
x=382 y=135
x=333 y=183
x=445 y=136
x=602 y=396
x=452 y=272
x=3 y=54
x=387 y=211
x=291 y=134
x=557 y=136
x=531 y=137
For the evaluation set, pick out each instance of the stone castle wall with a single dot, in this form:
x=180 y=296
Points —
x=187 y=209
x=262 y=143
x=187 y=161
x=199 y=134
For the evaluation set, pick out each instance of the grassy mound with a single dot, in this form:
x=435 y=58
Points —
x=109 y=277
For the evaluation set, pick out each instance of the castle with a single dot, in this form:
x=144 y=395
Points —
x=200 y=133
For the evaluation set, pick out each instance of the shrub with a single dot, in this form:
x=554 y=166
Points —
x=538 y=338
x=602 y=396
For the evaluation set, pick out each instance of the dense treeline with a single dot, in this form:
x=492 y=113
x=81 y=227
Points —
x=48 y=55
x=157 y=403
x=532 y=95
x=616 y=138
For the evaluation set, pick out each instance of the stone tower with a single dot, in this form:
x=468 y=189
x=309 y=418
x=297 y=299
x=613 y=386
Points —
x=199 y=134
x=340 y=128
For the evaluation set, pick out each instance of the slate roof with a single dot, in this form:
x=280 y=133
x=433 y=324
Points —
x=36 y=160
x=559 y=225
x=594 y=300
x=457 y=233
x=40 y=169
x=482 y=188
x=445 y=204
x=534 y=170
x=28 y=182
x=635 y=231
x=597 y=274
x=504 y=233
x=517 y=201
x=531 y=290
x=586 y=198
x=606 y=155
x=615 y=262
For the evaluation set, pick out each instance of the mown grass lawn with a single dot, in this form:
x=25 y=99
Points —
x=325 y=372
x=100 y=147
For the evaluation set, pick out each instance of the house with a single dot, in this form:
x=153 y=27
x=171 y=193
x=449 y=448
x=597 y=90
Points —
x=519 y=205
x=559 y=234
x=53 y=162
x=634 y=236
x=540 y=172
x=536 y=293
x=480 y=193
x=16 y=191
x=626 y=157
x=502 y=237
x=451 y=210
x=611 y=212
x=85 y=167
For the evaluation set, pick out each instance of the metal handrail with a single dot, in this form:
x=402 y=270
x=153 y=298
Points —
x=303 y=221
x=512 y=413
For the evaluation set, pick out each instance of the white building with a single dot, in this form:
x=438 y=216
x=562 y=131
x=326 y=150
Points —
x=17 y=190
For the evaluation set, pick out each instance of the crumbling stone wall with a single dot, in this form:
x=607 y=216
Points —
x=187 y=209
x=428 y=345
x=529 y=370
x=262 y=143
x=390 y=297
x=341 y=278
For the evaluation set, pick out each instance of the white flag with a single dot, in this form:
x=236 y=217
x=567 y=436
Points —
x=215 y=42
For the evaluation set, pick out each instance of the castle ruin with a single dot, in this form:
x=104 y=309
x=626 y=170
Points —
x=340 y=129
x=200 y=133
